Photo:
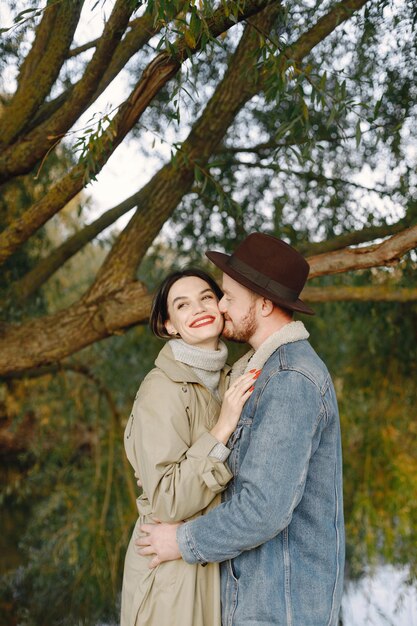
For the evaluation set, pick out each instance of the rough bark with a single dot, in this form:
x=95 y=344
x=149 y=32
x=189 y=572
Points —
x=22 y=156
x=49 y=339
x=41 y=67
x=389 y=252
x=45 y=268
x=169 y=185
x=34 y=279
x=116 y=303
x=141 y=30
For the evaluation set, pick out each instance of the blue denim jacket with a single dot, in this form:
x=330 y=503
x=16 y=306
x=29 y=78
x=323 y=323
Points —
x=279 y=532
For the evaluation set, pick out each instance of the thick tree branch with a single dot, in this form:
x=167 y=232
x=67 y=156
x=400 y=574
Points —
x=40 y=44
x=64 y=191
x=87 y=321
x=20 y=157
x=389 y=252
x=41 y=67
x=116 y=305
x=33 y=280
x=156 y=75
x=355 y=238
x=74 y=52
x=324 y=26
x=142 y=30
x=49 y=339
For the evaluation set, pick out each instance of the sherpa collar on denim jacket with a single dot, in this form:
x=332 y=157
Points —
x=293 y=331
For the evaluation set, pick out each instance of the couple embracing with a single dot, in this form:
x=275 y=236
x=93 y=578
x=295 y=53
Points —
x=241 y=468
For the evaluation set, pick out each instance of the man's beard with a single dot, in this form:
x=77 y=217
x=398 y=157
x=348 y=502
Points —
x=247 y=328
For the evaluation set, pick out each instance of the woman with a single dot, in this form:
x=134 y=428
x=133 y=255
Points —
x=175 y=440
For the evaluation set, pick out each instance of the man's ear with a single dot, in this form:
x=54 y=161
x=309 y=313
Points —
x=170 y=328
x=267 y=307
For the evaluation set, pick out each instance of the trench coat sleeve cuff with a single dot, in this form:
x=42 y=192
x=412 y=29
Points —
x=216 y=473
x=187 y=547
x=220 y=452
x=203 y=446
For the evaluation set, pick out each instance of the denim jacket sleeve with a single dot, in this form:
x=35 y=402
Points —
x=285 y=431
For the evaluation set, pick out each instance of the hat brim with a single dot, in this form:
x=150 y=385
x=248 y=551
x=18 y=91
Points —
x=221 y=260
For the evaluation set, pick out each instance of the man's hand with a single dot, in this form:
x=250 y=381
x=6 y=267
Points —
x=159 y=540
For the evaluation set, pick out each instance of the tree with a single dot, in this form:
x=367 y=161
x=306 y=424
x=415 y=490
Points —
x=313 y=78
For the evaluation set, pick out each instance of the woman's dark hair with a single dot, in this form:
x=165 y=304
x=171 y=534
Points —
x=159 y=310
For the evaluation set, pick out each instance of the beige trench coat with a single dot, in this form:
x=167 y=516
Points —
x=167 y=442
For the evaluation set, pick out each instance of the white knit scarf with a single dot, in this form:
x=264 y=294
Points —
x=207 y=364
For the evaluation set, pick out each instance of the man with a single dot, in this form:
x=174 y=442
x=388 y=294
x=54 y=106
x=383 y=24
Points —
x=279 y=533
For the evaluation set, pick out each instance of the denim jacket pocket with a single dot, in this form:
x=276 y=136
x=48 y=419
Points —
x=234 y=444
x=234 y=438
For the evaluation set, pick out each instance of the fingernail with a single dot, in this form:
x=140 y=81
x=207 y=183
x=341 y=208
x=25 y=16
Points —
x=251 y=371
x=252 y=388
x=256 y=375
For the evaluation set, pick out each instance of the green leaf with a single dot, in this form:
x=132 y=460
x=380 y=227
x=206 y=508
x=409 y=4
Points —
x=377 y=107
x=304 y=110
x=198 y=174
x=22 y=15
x=358 y=133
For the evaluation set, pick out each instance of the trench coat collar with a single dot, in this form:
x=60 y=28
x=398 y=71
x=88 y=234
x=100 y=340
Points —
x=180 y=372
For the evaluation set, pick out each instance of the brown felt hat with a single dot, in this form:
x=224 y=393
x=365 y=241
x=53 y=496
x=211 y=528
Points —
x=268 y=266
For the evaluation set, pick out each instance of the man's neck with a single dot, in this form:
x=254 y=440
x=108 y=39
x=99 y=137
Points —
x=267 y=327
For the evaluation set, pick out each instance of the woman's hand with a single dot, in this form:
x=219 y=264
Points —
x=233 y=402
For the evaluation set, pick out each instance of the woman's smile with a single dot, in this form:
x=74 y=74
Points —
x=203 y=321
